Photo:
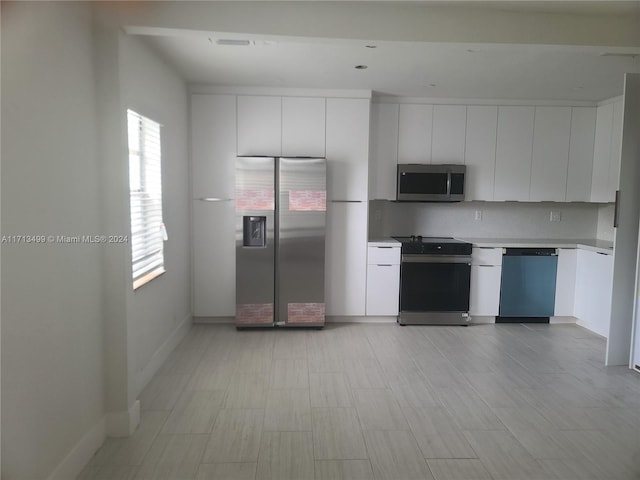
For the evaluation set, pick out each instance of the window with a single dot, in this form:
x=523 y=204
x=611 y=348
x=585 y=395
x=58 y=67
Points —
x=145 y=186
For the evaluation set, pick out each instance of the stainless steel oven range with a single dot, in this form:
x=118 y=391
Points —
x=435 y=274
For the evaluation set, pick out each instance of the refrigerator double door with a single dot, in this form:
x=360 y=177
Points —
x=280 y=241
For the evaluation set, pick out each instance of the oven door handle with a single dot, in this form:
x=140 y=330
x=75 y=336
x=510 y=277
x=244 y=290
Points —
x=411 y=258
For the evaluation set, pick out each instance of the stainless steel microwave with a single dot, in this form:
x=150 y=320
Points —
x=430 y=183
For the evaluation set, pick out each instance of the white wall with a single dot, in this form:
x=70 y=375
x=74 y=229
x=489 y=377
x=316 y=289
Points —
x=499 y=219
x=156 y=310
x=73 y=327
x=51 y=340
x=141 y=327
x=605 y=222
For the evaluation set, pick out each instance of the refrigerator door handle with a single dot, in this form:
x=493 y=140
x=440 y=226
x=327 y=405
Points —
x=215 y=199
x=616 y=211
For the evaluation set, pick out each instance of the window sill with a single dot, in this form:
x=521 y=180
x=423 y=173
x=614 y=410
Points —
x=147 y=278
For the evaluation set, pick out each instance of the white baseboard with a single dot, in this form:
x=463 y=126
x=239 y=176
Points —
x=215 y=320
x=582 y=325
x=359 y=319
x=81 y=453
x=328 y=319
x=481 y=319
x=562 y=319
x=123 y=424
x=145 y=375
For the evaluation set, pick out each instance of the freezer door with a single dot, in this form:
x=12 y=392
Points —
x=301 y=241
x=255 y=241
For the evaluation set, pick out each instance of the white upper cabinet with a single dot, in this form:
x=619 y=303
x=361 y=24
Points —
x=347 y=148
x=303 y=127
x=213 y=145
x=616 y=146
x=583 y=124
x=602 y=154
x=383 y=159
x=259 y=125
x=513 y=153
x=480 y=154
x=414 y=133
x=448 y=137
x=552 y=129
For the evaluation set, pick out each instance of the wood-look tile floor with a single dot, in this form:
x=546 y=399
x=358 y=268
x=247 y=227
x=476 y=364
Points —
x=379 y=401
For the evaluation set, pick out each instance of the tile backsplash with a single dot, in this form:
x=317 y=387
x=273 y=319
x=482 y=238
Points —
x=491 y=219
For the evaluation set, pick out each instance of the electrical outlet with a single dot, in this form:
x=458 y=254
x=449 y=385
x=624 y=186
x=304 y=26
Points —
x=555 y=216
x=478 y=215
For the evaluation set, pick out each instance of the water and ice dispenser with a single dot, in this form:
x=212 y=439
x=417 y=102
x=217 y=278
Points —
x=254 y=231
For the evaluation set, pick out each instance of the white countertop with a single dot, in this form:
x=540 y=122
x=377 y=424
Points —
x=592 y=244
x=383 y=242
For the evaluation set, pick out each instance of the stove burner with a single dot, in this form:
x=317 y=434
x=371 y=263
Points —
x=417 y=244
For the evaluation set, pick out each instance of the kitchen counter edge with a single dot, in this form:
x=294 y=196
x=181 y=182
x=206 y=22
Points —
x=593 y=245
x=383 y=242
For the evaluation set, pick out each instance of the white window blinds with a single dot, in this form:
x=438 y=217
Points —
x=145 y=185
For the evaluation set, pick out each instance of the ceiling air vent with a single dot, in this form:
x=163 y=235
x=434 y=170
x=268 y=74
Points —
x=620 y=55
x=230 y=41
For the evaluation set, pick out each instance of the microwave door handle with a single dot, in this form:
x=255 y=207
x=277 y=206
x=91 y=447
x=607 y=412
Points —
x=448 y=184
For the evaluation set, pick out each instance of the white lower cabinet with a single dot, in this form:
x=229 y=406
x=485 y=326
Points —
x=484 y=296
x=594 y=282
x=486 y=273
x=214 y=259
x=566 y=283
x=346 y=258
x=383 y=280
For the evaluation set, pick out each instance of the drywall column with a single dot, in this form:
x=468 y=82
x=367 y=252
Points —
x=120 y=403
x=52 y=368
x=626 y=235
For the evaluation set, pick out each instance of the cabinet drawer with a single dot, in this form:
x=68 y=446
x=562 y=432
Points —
x=383 y=287
x=383 y=256
x=486 y=256
x=484 y=294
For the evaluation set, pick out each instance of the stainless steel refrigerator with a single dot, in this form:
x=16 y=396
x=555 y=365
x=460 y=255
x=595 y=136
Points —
x=280 y=241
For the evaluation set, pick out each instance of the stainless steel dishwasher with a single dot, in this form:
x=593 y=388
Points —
x=528 y=288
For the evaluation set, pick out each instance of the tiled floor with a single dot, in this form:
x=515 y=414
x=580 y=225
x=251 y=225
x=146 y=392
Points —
x=379 y=401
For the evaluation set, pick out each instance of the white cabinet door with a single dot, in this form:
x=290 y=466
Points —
x=602 y=154
x=213 y=145
x=566 y=282
x=303 y=127
x=383 y=290
x=484 y=293
x=448 y=134
x=480 y=154
x=513 y=153
x=259 y=125
x=616 y=146
x=552 y=130
x=383 y=160
x=583 y=125
x=346 y=258
x=347 y=148
x=594 y=282
x=214 y=267
x=414 y=133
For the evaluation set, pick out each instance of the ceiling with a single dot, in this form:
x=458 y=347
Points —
x=408 y=68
